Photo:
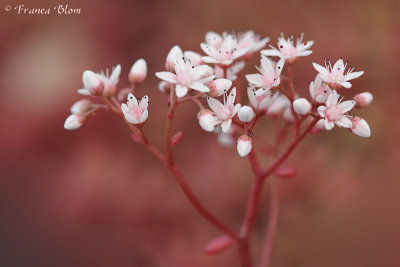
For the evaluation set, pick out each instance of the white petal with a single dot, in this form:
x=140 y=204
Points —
x=199 y=87
x=132 y=101
x=84 y=91
x=345 y=84
x=255 y=79
x=209 y=60
x=332 y=98
x=321 y=111
x=321 y=69
x=214 y=104
x=181 y=90
x=353 y=75
x=114 y=78
x=232 y=96
x=226 y=125
x=346 y=106
x=304 y=53
x=279 y=66
x=329 y=125
x=344 y=122
x=166 y=76
x=271 y=53
x=144 y=116
x=144 y=103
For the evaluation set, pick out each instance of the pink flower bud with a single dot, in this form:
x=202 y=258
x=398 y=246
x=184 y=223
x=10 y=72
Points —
x=176 y=138
x=206 y=120
x=74 y=121
x=219 y=87
x=244 y=145
x=218 y=244
x=138 y=72
x=174 y=53
x=92 y=82
x=360 y=127
x=81 y=106
x=246 y=114
x=285 y=172
x=164 y=87
x=302 y=106
x=363 y=99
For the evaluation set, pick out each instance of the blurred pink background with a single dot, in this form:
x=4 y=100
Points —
x=92 y=197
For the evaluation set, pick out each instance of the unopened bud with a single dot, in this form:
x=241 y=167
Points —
x=92 y=82
x=302 y=106
x=206 y=120
x=81 y=106
x=363 y=99
x=219 y=87
x=176 y=138
x=360 y=127
x=244 y=145
x=246 y=114
x=173 y=55
x=138 y=72
x=74 y=121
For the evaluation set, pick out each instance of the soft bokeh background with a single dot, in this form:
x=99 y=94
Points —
x=94 y=198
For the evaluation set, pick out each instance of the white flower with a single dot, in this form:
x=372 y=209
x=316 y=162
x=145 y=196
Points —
x=81 y=106
x=334 y=112
x=206 y=120
x=250 y=41
x=135 y=112
x=302 y=106
x=102 y=80
x=363 y=99
x=188 y=76
x=221 y=50
x=74 y=121
x=319 y=90
x=335 y=75
x=244 y=145
x=224 y=112
x=287 y=50
x=360 y=127
x=192 y=57
x=231 y=72
x=269 y=77
x=219 y=87
x=138 y=71
x=260 y=103
x=246 y=114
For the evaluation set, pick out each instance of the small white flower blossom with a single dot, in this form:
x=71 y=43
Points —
x=246 y=114
x=222 y=50
x=335 y=76
x=173 y=55
x=319 y=90
x=334 y=112
x=138 y=71
x=206 y=120
x=302 y=106
x=224 y=112
x=262 y=102
x=363 y=99
x=269 y=77
x=244 y=145
x=81 y=106
x=287 y=50
x=252 y=42
x=102 y=80
x=231 y=72
x=360 y=127
x=188 y=76
x=74 y=121
x=134 y=111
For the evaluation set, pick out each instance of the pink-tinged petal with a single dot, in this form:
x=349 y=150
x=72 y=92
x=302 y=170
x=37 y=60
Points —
x=345 y=84
x=353 y=75
x=181 y=90
x=114 y=78
x=304 y=53
x=124 y=108
x=260 y=44
x=255 y=79
x=201 y=71
x=226 y=62
x=321 y=111
x=307 y=45
x=344 y=122
x=346 y=106
x=199 y=87
x=226 y=125
x=207 y=80
x=207 y=49
x=339 y=66
x=214 y=104
x=312 y=89
x=240 y=52
x=332 y=98
x=271 y=53
x=144 y=103
x=166 y=76
x=84 y=91
x=208 y=59
x=144 y=116
x=324 y=72
x=132 y=101
x=279 y=66
x=180 y=65
x=213 y=38
x=232 y=96
x=266 y=65
x=236 y=109
x=329 y=125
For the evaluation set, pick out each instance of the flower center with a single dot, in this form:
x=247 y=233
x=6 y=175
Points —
x=224 y=113
x=289 y=50
x=137 y=112
x=333 y=113
x=269 y=78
